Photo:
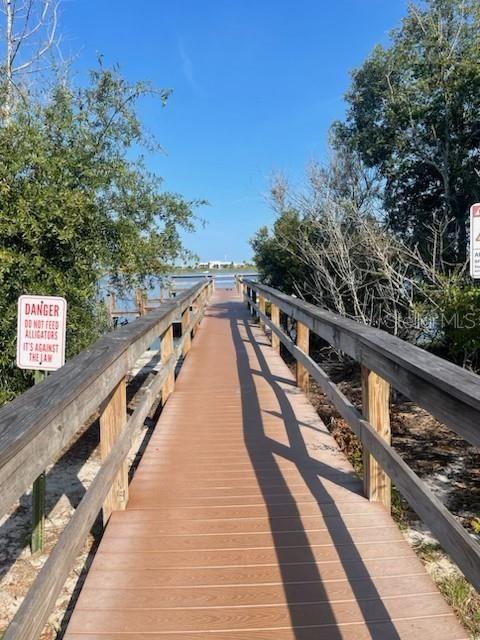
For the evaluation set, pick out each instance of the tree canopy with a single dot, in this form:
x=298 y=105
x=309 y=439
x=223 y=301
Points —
x=77 y=205
x=414 y=116
x=380 y=232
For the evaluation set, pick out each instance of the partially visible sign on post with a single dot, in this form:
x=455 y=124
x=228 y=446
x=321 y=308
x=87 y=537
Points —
x=41 y=332
x=475 y=240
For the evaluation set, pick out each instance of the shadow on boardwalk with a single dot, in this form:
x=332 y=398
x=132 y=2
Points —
x=306 y=621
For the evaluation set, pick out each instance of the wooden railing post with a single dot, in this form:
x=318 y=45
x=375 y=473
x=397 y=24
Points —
x=186 y=331
x=166 y=350
x=261 y=307
x=275 y=317
x=111 y=304
x=140 y=298
x=195 y=308
x=112 y=423
x=376 y=409
x=303 y=343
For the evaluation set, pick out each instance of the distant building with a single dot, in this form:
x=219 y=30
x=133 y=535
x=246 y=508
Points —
x=220 y=264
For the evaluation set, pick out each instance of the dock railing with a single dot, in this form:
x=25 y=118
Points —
x=142 y=304
x=448 y=392
x=43 y=421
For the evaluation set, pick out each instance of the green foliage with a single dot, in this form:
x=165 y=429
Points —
x=454 y=307
x=276 y=253
x=475 y=523
x=464 y=599
x=75 y=208
x=414 y=117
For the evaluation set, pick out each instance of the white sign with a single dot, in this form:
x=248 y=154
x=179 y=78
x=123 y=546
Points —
x=475 y=240
x=41 y=332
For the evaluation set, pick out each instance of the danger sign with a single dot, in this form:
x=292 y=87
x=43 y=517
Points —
x=41 y=332
x=475 y=240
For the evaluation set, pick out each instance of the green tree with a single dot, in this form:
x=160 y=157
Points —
x=414 y=116
x=75 y=208
x=276 y=253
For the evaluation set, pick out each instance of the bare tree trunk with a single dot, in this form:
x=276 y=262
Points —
x=30 y=33
x=9 y=59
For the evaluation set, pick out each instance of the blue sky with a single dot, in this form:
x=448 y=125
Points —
x=256 y=85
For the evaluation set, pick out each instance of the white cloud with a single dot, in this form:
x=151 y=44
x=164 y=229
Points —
x=187 y=68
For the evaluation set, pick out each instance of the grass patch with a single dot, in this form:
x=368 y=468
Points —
x=456 y=590
x=429 y=552
x=464 y=600
x=401 y=512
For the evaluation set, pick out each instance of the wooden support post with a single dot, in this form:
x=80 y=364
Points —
x=195 y=308
x=376 y=409
x=275 y=317
x=111 y=304
x=37 y=540
x=166 y=350
x=186 y=331
x=38 y=514
x=303 y=343
x=261 y=306
x=140 y=298
x=112 y=423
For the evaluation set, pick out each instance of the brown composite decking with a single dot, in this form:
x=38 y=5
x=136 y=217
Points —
x=246 y=522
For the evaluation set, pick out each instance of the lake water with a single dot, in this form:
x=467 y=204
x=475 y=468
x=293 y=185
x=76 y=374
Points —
x=176 y=282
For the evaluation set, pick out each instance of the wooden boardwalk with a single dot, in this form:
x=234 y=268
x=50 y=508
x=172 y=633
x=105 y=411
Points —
x=246 y=522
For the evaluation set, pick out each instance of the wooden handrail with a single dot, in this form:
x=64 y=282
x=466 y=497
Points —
x=451 y=394
x=403 y=366
x=37 y=425
x=33 y=613
x=144 y=304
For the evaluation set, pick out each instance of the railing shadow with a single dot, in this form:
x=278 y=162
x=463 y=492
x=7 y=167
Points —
x=300 y=566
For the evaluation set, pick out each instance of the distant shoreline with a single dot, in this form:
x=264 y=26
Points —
x=228 y=271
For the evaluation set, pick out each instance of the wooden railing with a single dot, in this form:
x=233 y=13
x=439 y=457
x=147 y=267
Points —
x=39 y=424
x=142 y=303
x=451 y=394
